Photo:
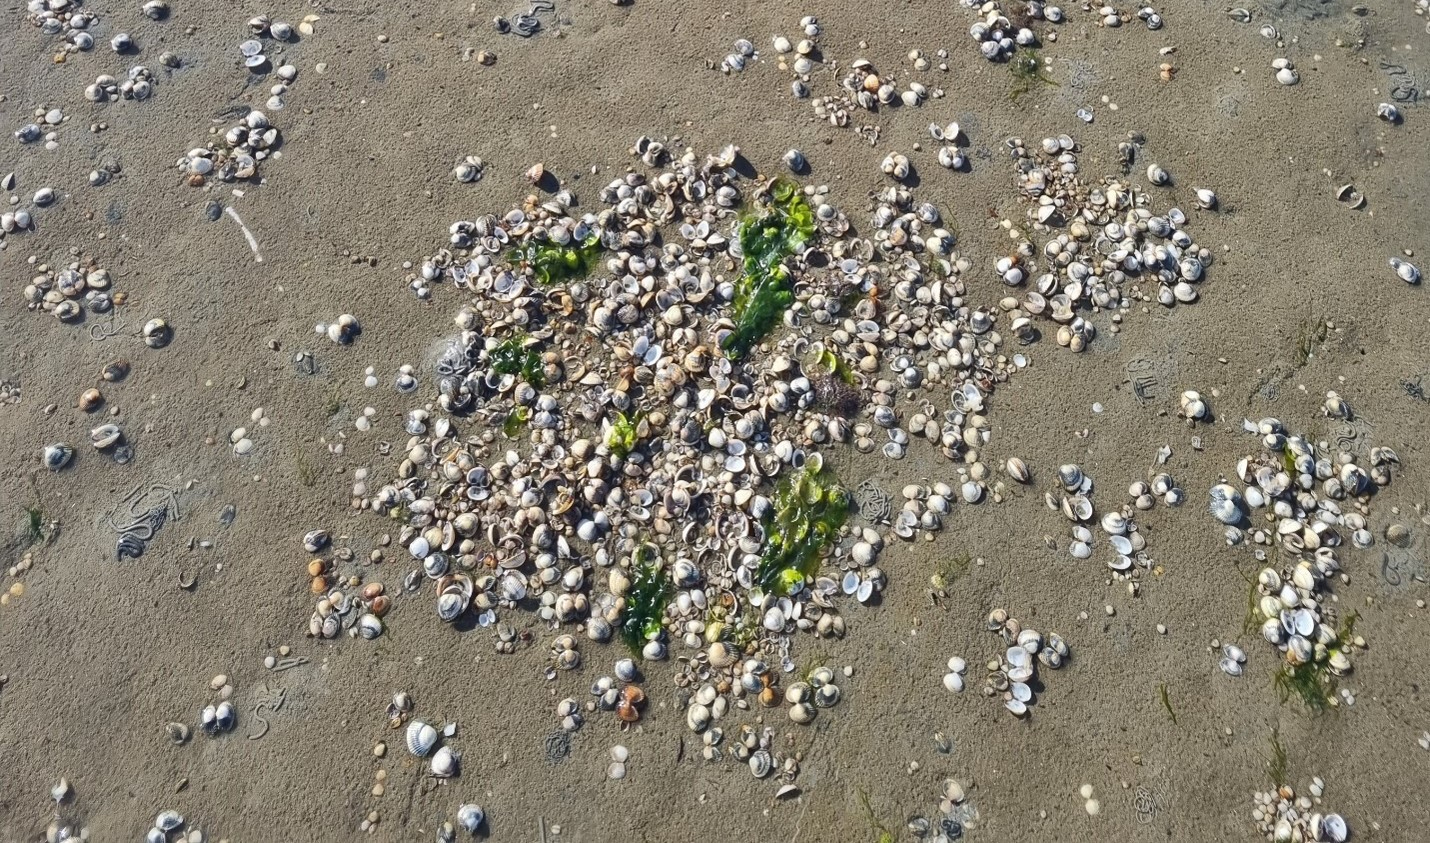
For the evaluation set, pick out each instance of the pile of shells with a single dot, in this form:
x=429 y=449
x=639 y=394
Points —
x=63 y=18
x=1128 y=545
x=138 y=84
x=1284 y=817
x=955 y=816
x=586 y=426
x=67 y=291
x=997 y=37
x=1112 y=241
x=235 y=154
x=343 y=603
x=1298 y=497
x=1012 y=674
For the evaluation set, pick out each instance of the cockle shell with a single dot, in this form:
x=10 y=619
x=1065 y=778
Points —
x=420 y=738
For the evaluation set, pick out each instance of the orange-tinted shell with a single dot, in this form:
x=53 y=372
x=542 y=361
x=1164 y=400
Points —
x=380 y=604
x=319 y=585
x=371 y=590
x=317 y=567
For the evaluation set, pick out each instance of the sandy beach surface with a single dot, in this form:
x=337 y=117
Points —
x=98 y=654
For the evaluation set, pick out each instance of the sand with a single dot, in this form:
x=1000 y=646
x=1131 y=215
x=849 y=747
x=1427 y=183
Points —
x=100 y=653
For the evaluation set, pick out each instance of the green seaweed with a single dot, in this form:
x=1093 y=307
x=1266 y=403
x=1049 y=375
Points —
x=1312 y=683
x=882 y=834
x=513 y=357
x=646 y=597
x=1276 y=765
x=515 y=422
x=36 y=523
x=1167 y=702
x=809 y=508
x=1027 y=71
x=765 y=289
x=624 y=434
x=551 y=263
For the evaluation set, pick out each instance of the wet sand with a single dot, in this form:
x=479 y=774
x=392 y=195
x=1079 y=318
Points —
x=100 y=653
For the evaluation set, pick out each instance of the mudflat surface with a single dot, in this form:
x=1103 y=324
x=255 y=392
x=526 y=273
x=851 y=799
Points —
x=100 y=653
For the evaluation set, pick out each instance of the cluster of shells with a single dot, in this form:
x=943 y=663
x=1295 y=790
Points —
x=1284 y=817
x=63 y=18
x=1297 y=498
x=235 y=154
x=555 y=518
x=344 y=604
x=956 y=815
x=67 y=291
x=138 y=84
x=997 y=37
x=1011 y=675
x=1118 y=525
x=620 y=693
x=1109 y=240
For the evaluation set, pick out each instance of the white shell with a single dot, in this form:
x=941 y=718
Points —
x=445 y=763
x=953 y=682
x=470 y=817
x=420 y=738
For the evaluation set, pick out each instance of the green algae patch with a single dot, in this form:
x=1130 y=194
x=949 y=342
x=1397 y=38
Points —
x=765 y=289
x=513 y=357
x=809 y=508
x=624 y=432
x=551 y=263
x=646 y=597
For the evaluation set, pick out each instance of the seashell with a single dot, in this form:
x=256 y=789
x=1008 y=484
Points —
x=114 y=371
x=420 y=738
x=105 y=436
x=1271 y=630
x=1231 y=667
x=1018 y=470
x=1332 y=829
x=827 y=695
x=224 y=718
x=470 y=818
x=168 y=821
x=1226 y=504
x=626 y=670
x=156 y=333
x=1405 y=271
x=56 y=456
x=761 y=764
x=315 y=540
x=1071 y=476
x=1158 y=176
x=445 y=762
x=369 y=626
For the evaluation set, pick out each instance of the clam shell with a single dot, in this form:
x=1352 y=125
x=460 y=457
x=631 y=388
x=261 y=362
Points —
x=445 y=762
x=470 y=818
